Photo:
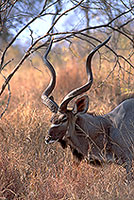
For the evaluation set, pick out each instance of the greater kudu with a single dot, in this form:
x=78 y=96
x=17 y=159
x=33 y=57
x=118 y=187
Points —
x=106 y=138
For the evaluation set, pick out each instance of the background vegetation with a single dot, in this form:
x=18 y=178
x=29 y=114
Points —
x=30 y=169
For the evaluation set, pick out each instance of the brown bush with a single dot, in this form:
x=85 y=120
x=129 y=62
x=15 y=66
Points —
x=29 y=169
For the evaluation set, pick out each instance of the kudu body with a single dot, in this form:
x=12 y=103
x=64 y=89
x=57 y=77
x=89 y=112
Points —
x=107 y=138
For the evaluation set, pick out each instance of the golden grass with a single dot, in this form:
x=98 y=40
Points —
x=32 y=170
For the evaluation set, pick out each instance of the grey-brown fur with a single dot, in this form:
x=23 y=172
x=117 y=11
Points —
x=108 y=138
x=100 y=139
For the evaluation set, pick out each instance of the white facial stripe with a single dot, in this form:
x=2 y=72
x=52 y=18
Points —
x=51 y=141
x=57 y=125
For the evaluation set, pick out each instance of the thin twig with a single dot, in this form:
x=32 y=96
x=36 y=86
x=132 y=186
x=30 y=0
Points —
x=9 y=97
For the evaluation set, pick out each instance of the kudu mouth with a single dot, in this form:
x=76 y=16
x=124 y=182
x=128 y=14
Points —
x=49 y=140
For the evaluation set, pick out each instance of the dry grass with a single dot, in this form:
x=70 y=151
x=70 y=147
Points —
x=31 y=170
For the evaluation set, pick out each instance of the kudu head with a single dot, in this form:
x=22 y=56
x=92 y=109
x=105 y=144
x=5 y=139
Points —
x=63 y=120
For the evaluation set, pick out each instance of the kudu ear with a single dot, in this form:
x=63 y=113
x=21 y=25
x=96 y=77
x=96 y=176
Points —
x=81 y=105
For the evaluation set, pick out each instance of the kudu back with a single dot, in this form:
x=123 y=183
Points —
x=107 y=138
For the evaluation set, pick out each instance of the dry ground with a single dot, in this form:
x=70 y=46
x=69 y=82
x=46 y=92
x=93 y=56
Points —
x=32 y=170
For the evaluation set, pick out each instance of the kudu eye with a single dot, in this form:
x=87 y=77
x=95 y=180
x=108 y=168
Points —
x=62 y=118
x=58 y=119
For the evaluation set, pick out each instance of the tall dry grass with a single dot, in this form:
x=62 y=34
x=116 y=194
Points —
x=32 y=170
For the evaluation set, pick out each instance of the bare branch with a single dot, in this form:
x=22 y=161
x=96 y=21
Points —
x=42 y=41
x=9 y=97
x=14 y=39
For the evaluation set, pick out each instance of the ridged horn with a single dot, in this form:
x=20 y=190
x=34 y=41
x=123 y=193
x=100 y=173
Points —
x=49 y=101
x=87 y=86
